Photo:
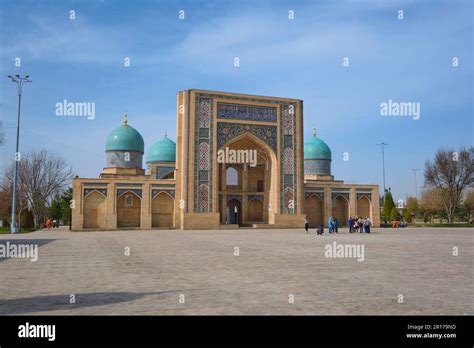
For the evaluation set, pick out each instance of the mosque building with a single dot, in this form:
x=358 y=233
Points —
x=186 y=187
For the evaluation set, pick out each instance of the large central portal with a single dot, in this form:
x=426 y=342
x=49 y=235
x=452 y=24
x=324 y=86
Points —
x=247 y=190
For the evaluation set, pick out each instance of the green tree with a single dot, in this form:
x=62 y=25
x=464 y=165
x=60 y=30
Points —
x=411 y=209
x=394 y=215
x=66 y=198
x=55 y=210
x=388 y=205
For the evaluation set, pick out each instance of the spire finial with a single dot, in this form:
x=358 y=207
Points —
x=125 y=120
x=166 y=133
x=314 y=132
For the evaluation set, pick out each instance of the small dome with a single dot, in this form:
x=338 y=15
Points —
x=316 y=149
x=163 y=150
x=125 y=138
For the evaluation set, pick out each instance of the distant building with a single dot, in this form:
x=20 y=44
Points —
x=186 y=187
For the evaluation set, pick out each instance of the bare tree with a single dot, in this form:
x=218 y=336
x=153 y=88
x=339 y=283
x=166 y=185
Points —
x=452 y=173
x=41 y=175
x=431 y=201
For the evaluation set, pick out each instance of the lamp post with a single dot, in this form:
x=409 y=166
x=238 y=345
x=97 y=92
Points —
x=382 y=145
x=19 y=84
x=416 y=185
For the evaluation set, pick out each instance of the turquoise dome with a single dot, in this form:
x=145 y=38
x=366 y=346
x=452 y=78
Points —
x=316 y=149
x=163 y=150
x=125 y=138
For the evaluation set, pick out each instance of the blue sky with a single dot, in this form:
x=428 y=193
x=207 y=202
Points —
x=407 y=60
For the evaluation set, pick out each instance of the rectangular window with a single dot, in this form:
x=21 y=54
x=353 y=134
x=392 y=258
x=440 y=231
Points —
x=128 y=201
x=259 y=185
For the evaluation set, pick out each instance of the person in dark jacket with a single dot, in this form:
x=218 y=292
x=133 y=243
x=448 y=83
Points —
x=350 y=223
x=320 y=230
x=336 y=225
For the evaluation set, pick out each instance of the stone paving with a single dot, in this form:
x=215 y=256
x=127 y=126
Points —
x=164 y=265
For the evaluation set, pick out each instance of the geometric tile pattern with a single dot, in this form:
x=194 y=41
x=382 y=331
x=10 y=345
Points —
x=246 y=112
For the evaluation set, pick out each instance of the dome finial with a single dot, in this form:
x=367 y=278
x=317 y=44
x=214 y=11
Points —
x=314 y=132
x=166 y=133
x=125 y=120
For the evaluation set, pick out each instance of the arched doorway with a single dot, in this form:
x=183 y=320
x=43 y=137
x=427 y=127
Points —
x=363 y=207
x=128 y=210
x=234 y=212
x=162 y=210
x=95 y=210
x=255 y=211
x=257 y=176
x=340 y=210
x=314 y=210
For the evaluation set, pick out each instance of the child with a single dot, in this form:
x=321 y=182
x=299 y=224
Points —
x=320 y=230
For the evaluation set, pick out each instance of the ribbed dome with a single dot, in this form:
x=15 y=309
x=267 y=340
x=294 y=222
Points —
x=125 y=138
x=163 y=150
x=316 y=149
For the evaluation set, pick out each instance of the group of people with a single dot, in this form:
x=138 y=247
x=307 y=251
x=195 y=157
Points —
x=49 y=223
x=356 y=224
x=359 y=224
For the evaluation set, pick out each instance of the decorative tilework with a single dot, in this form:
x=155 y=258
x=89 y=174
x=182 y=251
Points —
x=203 y=156
x=288 y=157
x=246 y=112
x=121 y=192
x=317 y=194
x=228 y=131
x=155 y=193
x=343 y=194
x=89 y=190
x=203 y=198
x=236 y=197
x=257 y=197
x=163 y=171
x=368 y=195
x=289 y=161
x=204 y=108
x=288 y=121
x=203 y=153
x=288 y=196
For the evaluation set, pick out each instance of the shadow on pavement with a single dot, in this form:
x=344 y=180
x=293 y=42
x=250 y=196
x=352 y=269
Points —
x=58 y=302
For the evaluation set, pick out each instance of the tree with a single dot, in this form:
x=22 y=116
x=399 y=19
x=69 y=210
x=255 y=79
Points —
x=388 y=205
x=41 y=176
x=431 y=202
x=55 y=210
x=66 y=198
x=469 y=203
x=394 y=214
x=411 y=209
x=452 y=173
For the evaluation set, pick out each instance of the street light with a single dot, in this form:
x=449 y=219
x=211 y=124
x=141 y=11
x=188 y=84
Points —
x=382 y=145
x=19 y=84
x=416 y=186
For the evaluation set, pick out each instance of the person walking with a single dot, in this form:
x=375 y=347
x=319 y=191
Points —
x=306 y=225
x=360 y=222
x=350 y=223
x=336 y=225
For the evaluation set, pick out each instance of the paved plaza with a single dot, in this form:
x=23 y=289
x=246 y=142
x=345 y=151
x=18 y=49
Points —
x=166 y=267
